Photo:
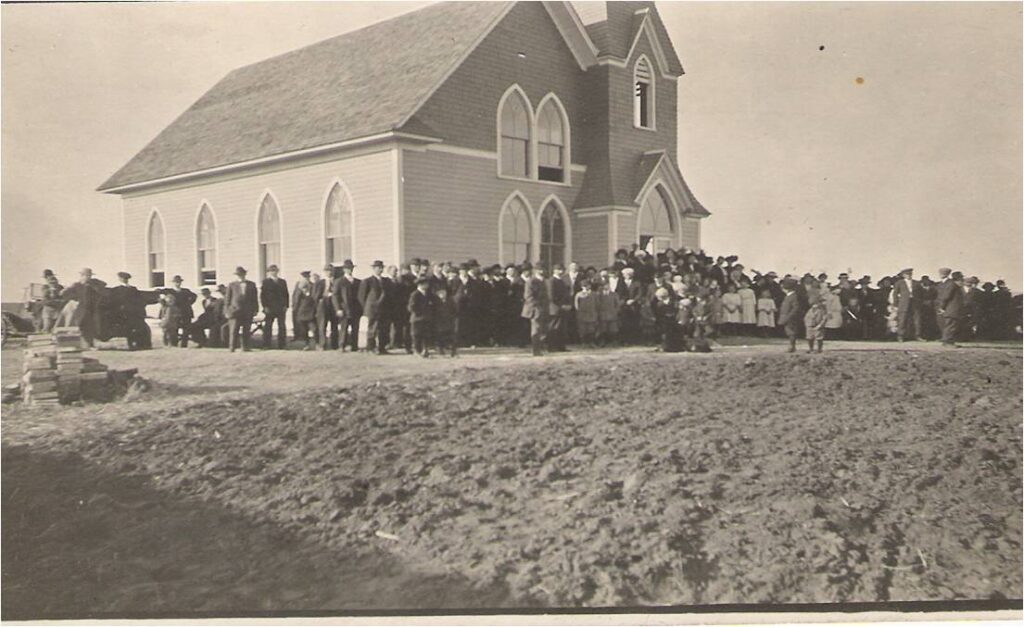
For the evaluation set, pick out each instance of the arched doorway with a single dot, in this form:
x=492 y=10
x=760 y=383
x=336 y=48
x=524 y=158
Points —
x=656 y=229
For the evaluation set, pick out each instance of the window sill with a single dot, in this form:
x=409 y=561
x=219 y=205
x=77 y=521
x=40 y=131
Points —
x=506 y=177
x=651 y=129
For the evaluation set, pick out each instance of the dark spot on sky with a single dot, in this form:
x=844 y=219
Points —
x=821 y=47
x=860 y=80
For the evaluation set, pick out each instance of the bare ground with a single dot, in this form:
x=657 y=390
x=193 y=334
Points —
x=593 y=479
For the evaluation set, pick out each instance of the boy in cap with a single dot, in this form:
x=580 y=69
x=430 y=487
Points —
x=326 y=317
x=814 y=322
x=421 y=306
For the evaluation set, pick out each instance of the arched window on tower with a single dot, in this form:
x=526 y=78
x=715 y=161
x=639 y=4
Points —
x=269 y=235
x=656 y=229
x=552 y=237
x=643 y=94
x=551 y=142
x=515 y=232
x=206 y=247
x=338 y=221
x=157 y=251
x=515 y=136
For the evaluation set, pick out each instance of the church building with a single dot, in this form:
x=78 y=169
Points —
x=500 y=131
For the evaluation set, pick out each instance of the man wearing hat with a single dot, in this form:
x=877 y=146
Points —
x=326 y=315
x=129 y=310
x=240 y=306
x=536 y=307
x=51 y=302
x=274 y=300
x=906 y=297
x=184 y=298
x=949 y=303
x=345 y=298
x=791 y=312
x=969 y=321
x=372 y=297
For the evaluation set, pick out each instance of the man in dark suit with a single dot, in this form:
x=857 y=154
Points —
x=631 y=296
x=536 y=307
x=240 y=306
x=274 y=300
x=790 y=313
x=345 y=298
x=372 y=298
x=465 y=292
x=949 y=303
x=969 y=322
x=184 y=298
x=402 y=286
x=906 y=296
x=560 y=303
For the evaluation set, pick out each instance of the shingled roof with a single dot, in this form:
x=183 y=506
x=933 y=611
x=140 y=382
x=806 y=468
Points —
x=612 y=26
x=316 y=95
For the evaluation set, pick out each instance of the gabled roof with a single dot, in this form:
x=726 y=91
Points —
x=317 y=95
x=658 y=165
x=614 y=27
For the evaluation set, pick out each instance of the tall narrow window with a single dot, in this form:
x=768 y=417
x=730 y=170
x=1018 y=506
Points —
x=157 y=252
x=643 y=94
x=269 y=234
x=656 y=232
x=338 y=223
x=515 y=136
x=515 y=232
x=552 y=237
x=550 y=144
x=206 y=245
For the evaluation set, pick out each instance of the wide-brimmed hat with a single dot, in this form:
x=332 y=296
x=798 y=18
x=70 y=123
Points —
x=177 y=279
x=240 y=271
x=348 y=264
x=906 y=271
x=124 y=275
x=377 y=263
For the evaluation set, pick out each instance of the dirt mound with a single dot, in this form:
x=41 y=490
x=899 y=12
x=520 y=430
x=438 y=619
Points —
x=855 y=477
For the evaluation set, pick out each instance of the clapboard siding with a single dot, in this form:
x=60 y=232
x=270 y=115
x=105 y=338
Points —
x=590 y=240
x=626 y=230
x=453 y=203
x=300 y=193
x=691 y=233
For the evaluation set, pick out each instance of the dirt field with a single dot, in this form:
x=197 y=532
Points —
x=592 y=479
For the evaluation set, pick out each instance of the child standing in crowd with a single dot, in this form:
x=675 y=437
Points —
x=789 y=313
x=748 y=307
x=421 y=308
x=834 y=308
x=586 y=313
x=731 y=305
x=766 y=313
x=444 y=323
x=608 y=316
x=304 y=310
x=814 y=321
x=684 y=315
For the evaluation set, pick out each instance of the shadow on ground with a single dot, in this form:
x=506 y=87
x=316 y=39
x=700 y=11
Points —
x=82 y=542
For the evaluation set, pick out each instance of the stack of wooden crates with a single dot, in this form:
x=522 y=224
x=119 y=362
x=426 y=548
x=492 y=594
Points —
x=56 y=371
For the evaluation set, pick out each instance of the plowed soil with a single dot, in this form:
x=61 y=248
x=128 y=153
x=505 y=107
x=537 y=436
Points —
x=649 y=480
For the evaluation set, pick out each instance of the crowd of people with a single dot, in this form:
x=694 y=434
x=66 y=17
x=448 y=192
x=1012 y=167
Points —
x=675 y=300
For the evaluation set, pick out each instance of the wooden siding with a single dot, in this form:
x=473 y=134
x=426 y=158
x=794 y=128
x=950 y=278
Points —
x=590 y=240
x=453 y=203
x=300 y=193
x=691 y=233
x=626 y=230
x=463 y=111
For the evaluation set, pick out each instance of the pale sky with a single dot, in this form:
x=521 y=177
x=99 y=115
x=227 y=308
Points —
x=802 y=167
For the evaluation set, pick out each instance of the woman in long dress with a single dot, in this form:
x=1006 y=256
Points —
x=748 y=307
x=732 y=310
